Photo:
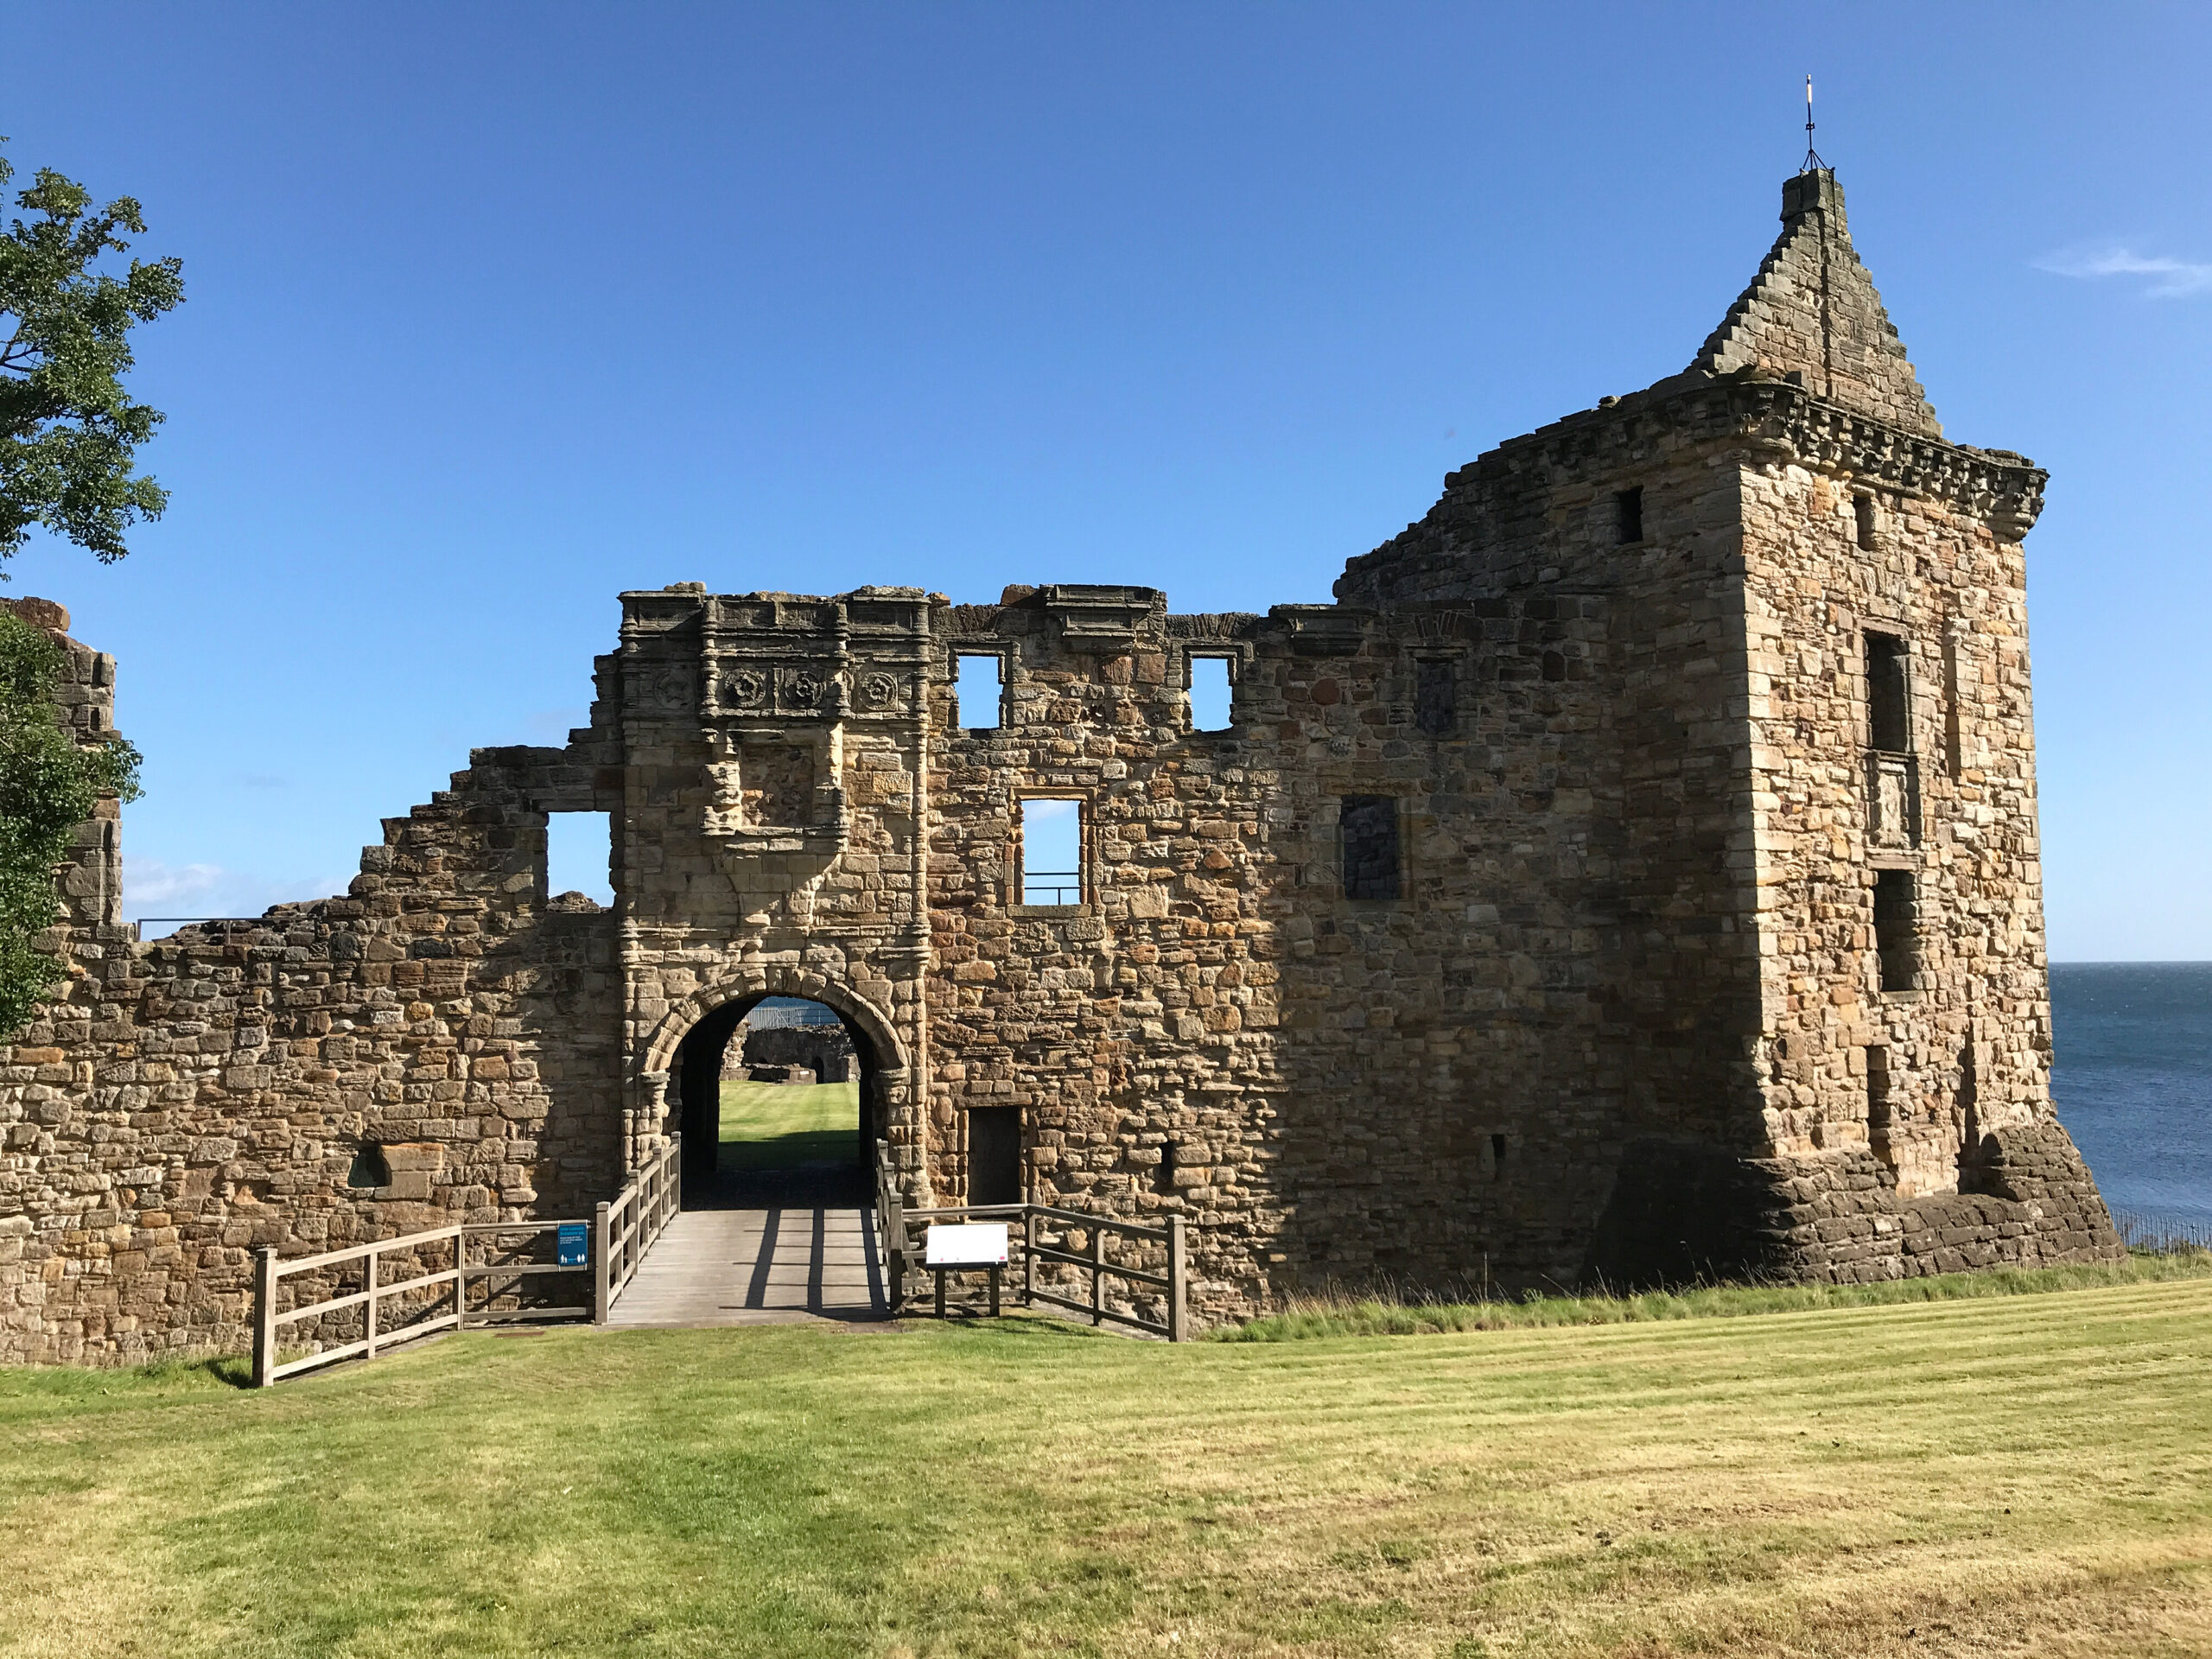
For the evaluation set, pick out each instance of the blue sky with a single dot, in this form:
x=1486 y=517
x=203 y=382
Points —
x=495 y=311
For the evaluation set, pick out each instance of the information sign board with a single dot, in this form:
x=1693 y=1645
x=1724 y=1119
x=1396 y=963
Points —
x=966 y=1244
x=572 y=1244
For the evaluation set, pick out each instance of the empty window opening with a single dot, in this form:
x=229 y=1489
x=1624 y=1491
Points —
x=978 y=690
x=1164 y=1175
x=1369 y=828
x=1878 y=1117
x=1889 y=703
x=579 y=856
x=1210 y=693
x=1436 y=697
x=1497 y=1155
x=1628 y=515
x=369 y=1167
x=994 y=1154
x=773 y=1104
x=1051 y=852
x=1862 y=511
x=1897 y=931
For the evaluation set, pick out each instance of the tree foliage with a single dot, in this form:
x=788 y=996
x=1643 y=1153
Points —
x=68 y=431
x=48 y=785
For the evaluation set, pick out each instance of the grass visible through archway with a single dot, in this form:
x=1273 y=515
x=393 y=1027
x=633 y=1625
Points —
x=783 y=1125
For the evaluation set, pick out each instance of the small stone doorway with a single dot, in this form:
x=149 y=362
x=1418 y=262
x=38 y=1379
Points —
x=994 y=1154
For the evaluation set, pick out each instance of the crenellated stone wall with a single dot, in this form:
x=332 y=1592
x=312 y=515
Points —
x=1632 y=876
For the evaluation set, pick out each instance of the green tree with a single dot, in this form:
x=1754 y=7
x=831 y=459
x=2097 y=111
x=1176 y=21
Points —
x=68 y=436
x=68 y=431
x=48 y=785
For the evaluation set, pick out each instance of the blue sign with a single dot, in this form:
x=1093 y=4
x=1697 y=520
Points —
x=573 y=1244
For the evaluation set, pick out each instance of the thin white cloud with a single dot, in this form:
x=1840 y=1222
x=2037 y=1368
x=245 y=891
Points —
x=2175 y=278
x=153 y=889
x=146 y=881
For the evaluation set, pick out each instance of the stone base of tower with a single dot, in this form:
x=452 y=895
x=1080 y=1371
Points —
x=1681 y=1213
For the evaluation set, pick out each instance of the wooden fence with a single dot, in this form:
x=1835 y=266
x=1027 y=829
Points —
x=1039 y=1235
x=432 y=1298
x=481 y=1256
x=624 y=1231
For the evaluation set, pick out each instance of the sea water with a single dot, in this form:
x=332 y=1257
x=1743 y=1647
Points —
x=2131 y=1078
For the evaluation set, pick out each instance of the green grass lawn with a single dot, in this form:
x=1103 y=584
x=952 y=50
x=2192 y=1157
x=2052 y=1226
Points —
x=778 y=1125
x=2012 y=1475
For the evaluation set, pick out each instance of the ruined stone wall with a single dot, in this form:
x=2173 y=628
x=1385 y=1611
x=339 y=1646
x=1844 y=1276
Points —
x=441 y=1045
x=1581 y=895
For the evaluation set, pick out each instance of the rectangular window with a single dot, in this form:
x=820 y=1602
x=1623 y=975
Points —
x=1896 y=930
x=1862 y=512
x=978 y=689
x=1051 y=851
x=1369 y=828
x=1628 y=515
x=579 y=854
x=1210 y=697
x=1436 y=698
x=1889 y=701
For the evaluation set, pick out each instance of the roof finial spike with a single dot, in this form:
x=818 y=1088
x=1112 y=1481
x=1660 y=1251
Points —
x=1813 y=162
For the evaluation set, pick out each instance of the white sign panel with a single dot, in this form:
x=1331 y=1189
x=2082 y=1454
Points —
x=968 y=1244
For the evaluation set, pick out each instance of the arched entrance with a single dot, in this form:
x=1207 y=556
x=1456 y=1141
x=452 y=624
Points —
x=765 y=1118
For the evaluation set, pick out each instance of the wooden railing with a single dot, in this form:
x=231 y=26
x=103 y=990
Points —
x=446 y=1288
x=1038 y=1235
x=890 y=1226
x=624 y=1231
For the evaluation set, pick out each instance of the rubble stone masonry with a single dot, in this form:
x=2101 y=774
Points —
x=1632 y=876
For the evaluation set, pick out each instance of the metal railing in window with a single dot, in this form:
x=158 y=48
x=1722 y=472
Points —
x=1064 y=886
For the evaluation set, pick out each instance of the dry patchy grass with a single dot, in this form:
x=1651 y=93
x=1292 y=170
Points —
x=2017 y=1475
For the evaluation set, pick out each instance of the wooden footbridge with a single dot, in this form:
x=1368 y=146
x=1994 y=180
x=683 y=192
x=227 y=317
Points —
x=644 y=1261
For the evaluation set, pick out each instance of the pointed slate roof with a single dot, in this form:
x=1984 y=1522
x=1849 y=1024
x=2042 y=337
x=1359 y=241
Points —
x=1811 y=311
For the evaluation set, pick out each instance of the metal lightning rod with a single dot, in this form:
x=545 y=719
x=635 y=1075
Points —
x=1812 y=156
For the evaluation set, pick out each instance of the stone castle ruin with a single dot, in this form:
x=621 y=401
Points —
x=1633 y=875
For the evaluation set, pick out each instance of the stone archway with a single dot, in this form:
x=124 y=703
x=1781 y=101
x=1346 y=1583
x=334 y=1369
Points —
x=702 y=1021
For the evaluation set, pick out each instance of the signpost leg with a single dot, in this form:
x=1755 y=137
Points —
x=995 y=1290
x=940 y=1292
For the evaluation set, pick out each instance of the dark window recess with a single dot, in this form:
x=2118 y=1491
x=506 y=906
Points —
x=1370 y=828
x=369 y=1167
x=1164 y=1176
x=1889 y=701
x=1628 y=515
x=1862 y=508
x=994 y=1154
x=1877 y=1103
x=1436 y=687
x=1497 y=1156
x=1897 y=933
